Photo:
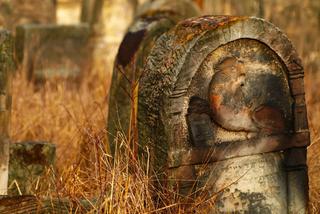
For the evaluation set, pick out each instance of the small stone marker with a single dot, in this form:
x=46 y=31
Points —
x=221 y=106
x=6 y=70
x=53 y=51
x=28 y=162
x=17 y=12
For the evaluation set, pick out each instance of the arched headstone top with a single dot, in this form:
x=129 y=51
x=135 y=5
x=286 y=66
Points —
x=233 y=27
x=140 y=35
x=152 y=19
x=183 y=52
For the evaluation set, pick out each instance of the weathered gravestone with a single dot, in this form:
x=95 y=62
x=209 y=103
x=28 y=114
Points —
x=221 y=103
x=53 y=51
x=6 y=69
x=153 y=19
x=17 y=12
x=29 y=161
x=59 y=52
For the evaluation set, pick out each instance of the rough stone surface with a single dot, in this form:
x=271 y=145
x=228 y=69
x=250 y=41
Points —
x=28 y=162
x=239 y=78
x=220 y=96
x=251 y=184
x=17 y=12
x=6 y=70
x=53 y=51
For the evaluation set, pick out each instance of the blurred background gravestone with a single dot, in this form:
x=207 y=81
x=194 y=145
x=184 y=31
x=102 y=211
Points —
x=53 y=51
x=116 y=15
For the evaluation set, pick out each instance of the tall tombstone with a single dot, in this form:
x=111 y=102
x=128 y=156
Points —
x=53 y=51
x=17 y=12
x=152 y=20
x=6 y=69
x=222 y=100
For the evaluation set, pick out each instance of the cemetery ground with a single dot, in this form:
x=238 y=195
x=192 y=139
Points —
x=74 y=118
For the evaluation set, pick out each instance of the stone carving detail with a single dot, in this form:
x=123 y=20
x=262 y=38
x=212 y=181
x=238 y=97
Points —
x=221 y=105
x=220 y=92
x=248 y=95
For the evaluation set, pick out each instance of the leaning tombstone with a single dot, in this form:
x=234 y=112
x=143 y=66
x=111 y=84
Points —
x=152 y=20
x=6 y=69
x=17 y=12
x=53 y=51
x=221 y=102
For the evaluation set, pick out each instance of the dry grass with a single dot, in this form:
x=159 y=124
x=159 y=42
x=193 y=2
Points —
x=74 y=119
x=60 y=115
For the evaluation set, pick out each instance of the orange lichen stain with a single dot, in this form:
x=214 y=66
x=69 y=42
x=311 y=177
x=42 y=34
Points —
x=189 y=37
x=199 y=25
x=215 y=102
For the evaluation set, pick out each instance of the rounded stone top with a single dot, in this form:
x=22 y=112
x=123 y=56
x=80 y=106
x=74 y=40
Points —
x=249 y=90
x=248 y=73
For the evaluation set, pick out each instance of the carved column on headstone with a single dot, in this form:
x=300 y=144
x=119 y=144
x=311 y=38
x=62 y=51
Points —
x=222 y=98
x=6 y=69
